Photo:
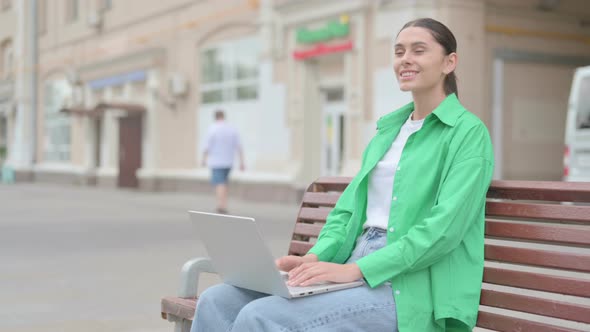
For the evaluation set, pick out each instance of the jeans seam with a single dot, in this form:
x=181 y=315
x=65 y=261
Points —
x=328 y=318
x=363 y=248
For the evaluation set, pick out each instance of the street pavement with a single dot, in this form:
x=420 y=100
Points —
x=92 y=259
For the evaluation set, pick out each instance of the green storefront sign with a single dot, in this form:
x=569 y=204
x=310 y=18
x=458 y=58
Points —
x=332 y=29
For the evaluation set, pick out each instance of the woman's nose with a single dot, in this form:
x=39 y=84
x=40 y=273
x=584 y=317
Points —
x=406 y=58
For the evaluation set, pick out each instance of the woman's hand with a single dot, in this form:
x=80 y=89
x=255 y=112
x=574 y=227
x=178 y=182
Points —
x=310 y=273
x=288 y=263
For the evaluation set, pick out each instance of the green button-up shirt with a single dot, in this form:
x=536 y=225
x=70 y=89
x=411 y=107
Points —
x=435 y=236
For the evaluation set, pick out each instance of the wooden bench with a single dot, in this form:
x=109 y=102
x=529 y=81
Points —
x=537 y=270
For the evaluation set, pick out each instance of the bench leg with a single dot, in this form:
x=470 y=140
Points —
x=183 y=326
x=180 y=325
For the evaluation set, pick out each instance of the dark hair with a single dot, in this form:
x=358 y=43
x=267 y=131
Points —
x=219 y=115
x=446 y=39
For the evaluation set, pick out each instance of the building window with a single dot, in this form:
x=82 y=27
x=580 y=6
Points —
x=3 y=138
x=57 y=124
x=229 y=72
x=7 y=60
x=42 y=16
x=6 y=4
x=583 y=111
x=106 y=5
x=72 y=10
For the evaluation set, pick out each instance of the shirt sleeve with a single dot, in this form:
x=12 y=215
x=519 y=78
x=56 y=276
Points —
x=334 y=232
x=460 y=204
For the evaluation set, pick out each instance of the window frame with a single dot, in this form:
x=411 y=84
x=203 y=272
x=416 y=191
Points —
x=106 y=5
x=72 y=11
x=582 y=124
x=3 y=137
x=7 y=58
x=42 y=16
x=229 y=84
x=6 y=5
x=54 y=120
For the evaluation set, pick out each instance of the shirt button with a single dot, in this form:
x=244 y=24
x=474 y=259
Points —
x=399 y=167
x=391 y=229
x=397 y=292
x=395 y=198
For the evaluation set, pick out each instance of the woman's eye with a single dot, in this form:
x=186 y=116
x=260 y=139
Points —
x=399 y=53
x=419 y=51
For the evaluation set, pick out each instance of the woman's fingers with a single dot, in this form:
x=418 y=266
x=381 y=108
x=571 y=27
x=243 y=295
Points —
x=313 y=280
x=282 y=263
x=295 y=273
x=310 y=273
x=305 y=273
x=309 y=279
x=287 y=263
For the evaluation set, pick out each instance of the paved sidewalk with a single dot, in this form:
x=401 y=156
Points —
x=92 y=259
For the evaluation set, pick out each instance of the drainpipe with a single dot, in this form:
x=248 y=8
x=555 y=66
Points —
x=34 y=58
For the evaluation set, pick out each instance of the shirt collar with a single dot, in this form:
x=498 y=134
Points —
x=448 y=112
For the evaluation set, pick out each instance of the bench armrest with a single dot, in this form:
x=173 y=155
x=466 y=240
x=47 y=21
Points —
x=189 y=275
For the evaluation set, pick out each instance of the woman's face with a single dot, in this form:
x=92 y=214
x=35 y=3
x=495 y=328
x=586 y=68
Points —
x=420 y=63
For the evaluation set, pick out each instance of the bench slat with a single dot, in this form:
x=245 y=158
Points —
x=537 y=281
x=572 y=234
x=313 y=214
x=535 y=305
x=331 y=183
x=299 y=247
x=493 y=321
x=320 y=199
x=539 y=211
x=540 y=190
x=312 y=230
x=539 y=257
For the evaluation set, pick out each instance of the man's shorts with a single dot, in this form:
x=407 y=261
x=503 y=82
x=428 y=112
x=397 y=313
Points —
x=219 y=175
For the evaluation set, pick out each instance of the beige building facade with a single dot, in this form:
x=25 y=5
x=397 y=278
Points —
x=127 y=89
x=8 y=29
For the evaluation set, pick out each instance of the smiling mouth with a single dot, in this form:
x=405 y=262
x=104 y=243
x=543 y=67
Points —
x=408 y=74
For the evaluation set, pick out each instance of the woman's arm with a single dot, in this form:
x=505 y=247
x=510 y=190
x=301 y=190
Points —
x=334 y=231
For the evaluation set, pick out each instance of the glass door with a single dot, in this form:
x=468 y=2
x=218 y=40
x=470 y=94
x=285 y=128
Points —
x=333 y=131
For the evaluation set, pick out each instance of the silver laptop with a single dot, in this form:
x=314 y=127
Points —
x=240 y=255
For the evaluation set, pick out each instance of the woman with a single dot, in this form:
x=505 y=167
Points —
x=411 y=223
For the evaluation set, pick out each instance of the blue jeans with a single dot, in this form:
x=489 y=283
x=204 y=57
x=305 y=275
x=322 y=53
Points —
x=227 y=308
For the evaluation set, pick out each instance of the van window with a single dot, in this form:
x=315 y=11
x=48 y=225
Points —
x=583 y=118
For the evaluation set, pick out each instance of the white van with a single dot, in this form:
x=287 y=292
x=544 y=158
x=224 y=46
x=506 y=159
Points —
x=576 y=160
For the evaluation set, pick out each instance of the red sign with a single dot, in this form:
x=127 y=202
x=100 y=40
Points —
x=321 y=49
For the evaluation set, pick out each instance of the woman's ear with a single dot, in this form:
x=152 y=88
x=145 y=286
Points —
x=450 y=63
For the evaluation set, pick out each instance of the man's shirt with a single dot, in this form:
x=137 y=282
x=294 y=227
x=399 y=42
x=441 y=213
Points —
x=222 y=144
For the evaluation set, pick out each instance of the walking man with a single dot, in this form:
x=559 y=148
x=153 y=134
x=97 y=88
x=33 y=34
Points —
x=222 y=144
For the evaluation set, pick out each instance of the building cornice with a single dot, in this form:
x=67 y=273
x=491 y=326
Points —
x=305 y=11
x=144 y=59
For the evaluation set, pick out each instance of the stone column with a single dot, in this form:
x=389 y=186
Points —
x=466 y=19
x=21 y=152
x=147 y=172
